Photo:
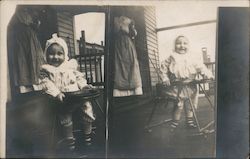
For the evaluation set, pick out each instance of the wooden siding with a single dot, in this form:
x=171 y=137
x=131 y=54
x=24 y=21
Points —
x=152 y=43
x=48 y=25
x=141 y=47
x=66 y=30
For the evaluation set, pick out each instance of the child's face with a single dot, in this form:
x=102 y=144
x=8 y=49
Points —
x=55 y=55
x=181 y=45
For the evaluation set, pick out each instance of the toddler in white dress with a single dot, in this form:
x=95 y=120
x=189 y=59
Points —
x=180 y=66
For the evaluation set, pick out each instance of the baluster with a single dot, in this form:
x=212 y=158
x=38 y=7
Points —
x=90 y=65
x=85 y=68
x=96 y=76
x=80 y=62
x=69 y=47
x=100 y=66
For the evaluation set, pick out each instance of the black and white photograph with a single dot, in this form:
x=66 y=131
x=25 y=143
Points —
x=125 y=79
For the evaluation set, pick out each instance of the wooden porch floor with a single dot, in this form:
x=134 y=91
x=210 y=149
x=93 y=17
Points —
x=128 y=138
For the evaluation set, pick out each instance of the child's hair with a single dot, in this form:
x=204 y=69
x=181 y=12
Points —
x=122 y=23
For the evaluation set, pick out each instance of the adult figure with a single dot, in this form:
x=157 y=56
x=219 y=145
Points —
x=127 y=85
x=25 y=56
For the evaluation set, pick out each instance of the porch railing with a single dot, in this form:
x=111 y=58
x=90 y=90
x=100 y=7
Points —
x=91 y=64
x=211 y=66
x=211 y=86
x=91 y=61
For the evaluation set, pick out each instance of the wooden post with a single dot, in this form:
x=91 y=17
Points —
x=95 y=63
x=83 y=42
x=69 y=47
x=90 y=69
x=107 y=86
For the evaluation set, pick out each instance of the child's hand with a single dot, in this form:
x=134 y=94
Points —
x=166 y=82
x=209 y=76
x=88 y=87
x=60 y=97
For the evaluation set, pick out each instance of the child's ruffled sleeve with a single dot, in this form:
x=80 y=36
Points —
x=47 y=85
x=164 y=68
x=204 y=71
x=81 y=81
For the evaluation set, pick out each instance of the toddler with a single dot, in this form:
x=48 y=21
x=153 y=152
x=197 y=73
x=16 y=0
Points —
x=60 y=75
x=180 y=66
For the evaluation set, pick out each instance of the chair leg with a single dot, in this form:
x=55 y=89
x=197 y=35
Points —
x=53 y=133
x=99 y=106
x=151 y=116
x=193 y=110
x=156 y=102
x=207 y=96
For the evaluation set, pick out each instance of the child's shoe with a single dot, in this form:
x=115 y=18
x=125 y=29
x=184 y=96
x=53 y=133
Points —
x=191 y=124
x=66 y=146
x=174 y=125
x=88 y=144
x=87 y=140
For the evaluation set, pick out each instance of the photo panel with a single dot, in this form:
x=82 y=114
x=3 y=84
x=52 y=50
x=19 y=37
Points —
x=119 y=80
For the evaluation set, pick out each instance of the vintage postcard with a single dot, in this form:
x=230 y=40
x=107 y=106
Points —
x=124 y=79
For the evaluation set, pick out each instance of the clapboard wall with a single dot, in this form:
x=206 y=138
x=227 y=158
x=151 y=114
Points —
x=152 y=43
x=137 y=14
x=66 y=29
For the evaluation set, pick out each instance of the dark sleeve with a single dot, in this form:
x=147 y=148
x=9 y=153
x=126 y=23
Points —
x=25 y=55
x=18 y=49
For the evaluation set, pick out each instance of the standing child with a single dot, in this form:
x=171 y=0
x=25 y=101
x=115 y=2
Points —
x=60 y=75
x=127 y=76
x=180 y=66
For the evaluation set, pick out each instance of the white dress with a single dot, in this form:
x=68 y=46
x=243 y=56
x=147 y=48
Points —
x=127 y=76
x=64 y=78
x=178 y=67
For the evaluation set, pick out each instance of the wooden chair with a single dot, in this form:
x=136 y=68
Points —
x=158 y=99
x=183 y=85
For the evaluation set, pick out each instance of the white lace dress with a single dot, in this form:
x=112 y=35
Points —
x=64 y=78
x=178 y=67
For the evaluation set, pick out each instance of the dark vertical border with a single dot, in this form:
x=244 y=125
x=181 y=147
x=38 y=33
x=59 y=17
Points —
x=106 y=76
x=233 y=83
